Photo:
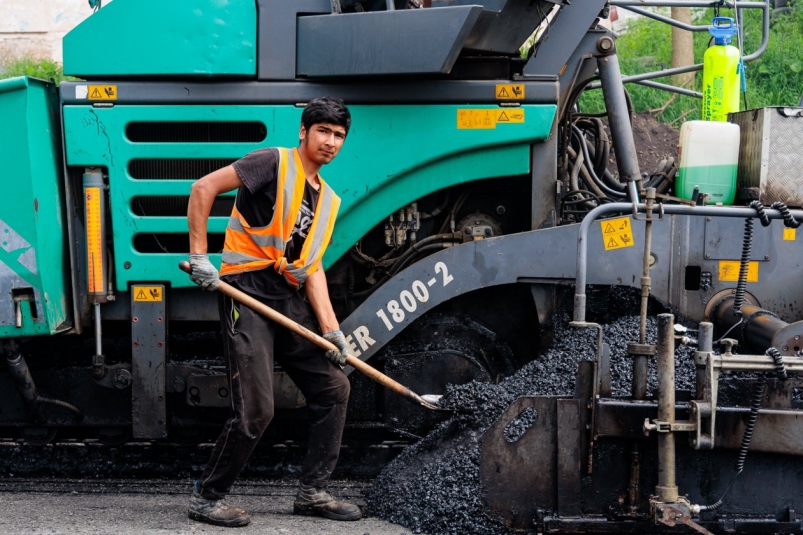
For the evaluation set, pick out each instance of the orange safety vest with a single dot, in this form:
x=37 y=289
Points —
x=250 y=248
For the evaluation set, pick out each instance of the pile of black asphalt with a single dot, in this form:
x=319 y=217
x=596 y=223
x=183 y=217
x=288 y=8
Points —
x=434 y=487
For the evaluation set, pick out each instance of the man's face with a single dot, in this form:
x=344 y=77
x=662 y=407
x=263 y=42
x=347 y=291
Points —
x=322 y=141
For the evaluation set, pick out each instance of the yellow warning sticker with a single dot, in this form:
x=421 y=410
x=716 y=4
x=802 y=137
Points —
x=102 y=92
x=487 y=119
x=789 y=234
x=468 y=119
x=729 y=271
x=509 y=91
x=147 y=293
x=510 y=115
x=616 y=233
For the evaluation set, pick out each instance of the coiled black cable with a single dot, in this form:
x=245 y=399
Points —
x=64 y=404
x=744 y=265
x=780 y=368
x=762 y=214
x=747 y=250
x=788 y=219
x=755 y=406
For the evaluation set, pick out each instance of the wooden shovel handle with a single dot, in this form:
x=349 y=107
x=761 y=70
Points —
x=323 y=343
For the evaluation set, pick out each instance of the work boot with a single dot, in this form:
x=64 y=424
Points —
x=217 y=512
x=317 y=502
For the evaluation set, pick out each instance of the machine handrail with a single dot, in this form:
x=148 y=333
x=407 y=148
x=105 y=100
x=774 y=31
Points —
x=635 y=5
x=579 y=314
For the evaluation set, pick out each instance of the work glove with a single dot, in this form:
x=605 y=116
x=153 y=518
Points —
x=203 y=273
x=343 y=350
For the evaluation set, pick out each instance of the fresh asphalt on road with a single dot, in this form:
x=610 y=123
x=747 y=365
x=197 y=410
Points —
x=34 y=506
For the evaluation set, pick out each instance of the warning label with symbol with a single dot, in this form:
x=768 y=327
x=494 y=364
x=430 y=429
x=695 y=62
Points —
x=147 y=293
x=102 y=92
x=510 y=116
x=487 y=118
x=616 y=233
x=789 y=234
x=509 y=91
x=729 y=270
x=468 y=119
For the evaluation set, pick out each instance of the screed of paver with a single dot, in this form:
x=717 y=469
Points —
x=29 y=512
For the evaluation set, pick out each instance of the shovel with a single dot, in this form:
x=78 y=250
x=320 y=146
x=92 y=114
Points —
x=323 y=343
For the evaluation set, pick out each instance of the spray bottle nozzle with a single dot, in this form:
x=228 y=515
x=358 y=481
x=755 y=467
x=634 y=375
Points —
x=723 y=29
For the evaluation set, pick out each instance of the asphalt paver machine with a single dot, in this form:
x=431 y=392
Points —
x=476 y=199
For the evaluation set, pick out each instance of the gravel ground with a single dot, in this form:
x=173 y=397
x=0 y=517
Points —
x=125 y=507
x=434 y=486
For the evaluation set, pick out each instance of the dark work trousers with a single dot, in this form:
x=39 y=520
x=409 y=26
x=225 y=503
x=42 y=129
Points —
x=251 y=342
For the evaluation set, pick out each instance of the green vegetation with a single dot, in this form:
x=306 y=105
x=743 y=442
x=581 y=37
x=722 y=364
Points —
x=43 y=68
x=775 y=79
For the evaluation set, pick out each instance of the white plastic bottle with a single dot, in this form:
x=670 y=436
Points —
x=708 y=156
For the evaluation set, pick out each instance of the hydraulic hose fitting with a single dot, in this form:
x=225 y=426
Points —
x=98 y=366
x=22 y=376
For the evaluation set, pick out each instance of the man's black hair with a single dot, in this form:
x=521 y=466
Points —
x=326 y=110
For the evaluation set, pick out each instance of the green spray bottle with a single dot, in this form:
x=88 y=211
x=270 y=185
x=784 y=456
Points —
x=722 y=72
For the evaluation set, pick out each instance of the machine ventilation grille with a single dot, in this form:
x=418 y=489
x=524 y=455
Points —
x=170 y=169
x=176 y=206
x=197 y=132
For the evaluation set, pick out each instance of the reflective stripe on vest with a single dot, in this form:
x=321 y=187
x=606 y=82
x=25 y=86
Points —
x=252 y=248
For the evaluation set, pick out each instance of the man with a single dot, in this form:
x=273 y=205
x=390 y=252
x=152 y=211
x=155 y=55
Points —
x=279 y=228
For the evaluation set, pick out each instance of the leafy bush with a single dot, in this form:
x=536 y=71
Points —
x=775 y=79
x=42 y=68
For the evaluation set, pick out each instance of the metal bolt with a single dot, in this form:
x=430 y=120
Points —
x=194 y=391
x=122 y=379
x=786 y=348
x=136 y=344
x=708 y=219
x=127 y=265
x=766 y=257
x=707 y=255
x=223 y=392
x=797 y=337
x=500 y=209
x=605 y=44
x=159 y=320
x=135 y=319
x=159 y=344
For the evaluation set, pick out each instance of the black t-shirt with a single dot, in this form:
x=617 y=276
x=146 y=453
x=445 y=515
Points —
x=256 y=203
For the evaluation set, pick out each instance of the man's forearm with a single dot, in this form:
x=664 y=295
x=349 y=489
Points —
x=202 y=196
x=197 y=218
x=318 y=296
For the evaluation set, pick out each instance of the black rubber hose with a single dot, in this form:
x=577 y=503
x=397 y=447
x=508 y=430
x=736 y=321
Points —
x=606 y=176
x=605 y=189
x=63 y=404
x=418 y=247
x=578 y=167
x=401 y=262
x=421 y=251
